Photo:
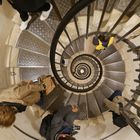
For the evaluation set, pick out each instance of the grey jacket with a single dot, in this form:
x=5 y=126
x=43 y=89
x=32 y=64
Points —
x=63 y=117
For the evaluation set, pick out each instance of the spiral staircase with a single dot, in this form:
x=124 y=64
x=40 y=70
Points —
x=62 y=46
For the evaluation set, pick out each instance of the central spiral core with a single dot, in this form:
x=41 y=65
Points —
x=81 y=71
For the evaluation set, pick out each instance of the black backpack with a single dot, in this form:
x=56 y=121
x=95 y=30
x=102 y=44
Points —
x=119 y=120
x=19 y=107
x=46 y=126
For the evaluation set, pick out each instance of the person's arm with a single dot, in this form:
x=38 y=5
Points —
x=48 y=82
x=62 y=112
x=26 y=88
x=95 y=40
x=60 y=115
x=100 y=46
x=67 y=114
x=111 y=41
x=72 y=116
x=112 y=106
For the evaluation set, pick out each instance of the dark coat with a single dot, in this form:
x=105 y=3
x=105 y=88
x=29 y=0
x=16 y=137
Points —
x=62 y=118
x=27 y=5
x=119 y=120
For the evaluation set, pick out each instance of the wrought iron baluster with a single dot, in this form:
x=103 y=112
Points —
x=138 y=81
x=123 y=14
x=129 y=32
x=68 y=99
x=67 y=53
x=60 y=18
x=70 y=41
x=134 y=10
x=112 y=6
x=135 y=91
x=58 y=54
x=88 y=19
x=137 y=70
x=133 y=49
x=57 y=63
x=86 y=101
x=58 y=70
x=99 y=108
x=76 y=26
x=96 y=5
x=56 y=10
x=131 y=123
x=75 y=20
x=61 y=45
x=102 y=16
x=136 y=59
x=132 y=103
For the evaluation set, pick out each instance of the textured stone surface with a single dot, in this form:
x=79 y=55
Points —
x=30 y=42
x=29 y=59
x=32 y=73
x=41 y=29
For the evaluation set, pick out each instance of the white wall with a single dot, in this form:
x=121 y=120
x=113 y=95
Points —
x=6 y=25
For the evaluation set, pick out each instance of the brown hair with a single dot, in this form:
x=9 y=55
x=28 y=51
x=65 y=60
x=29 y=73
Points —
x=7 y=116
x=67 y=138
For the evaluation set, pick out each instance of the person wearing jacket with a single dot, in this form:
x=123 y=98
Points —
x=112 y=103
x=102 y=42
x=61 y=124
x=16 y=98
x=24 y=7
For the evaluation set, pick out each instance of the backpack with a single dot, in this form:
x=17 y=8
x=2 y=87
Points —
x=46 y=126
x=119 y=120
x=19 y=107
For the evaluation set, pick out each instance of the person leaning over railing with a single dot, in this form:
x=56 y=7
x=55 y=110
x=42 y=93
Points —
x=102 y=41
x=112 y=103
x=59 y=125
x=16 y=98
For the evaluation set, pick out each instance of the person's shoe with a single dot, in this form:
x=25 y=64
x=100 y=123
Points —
x=45 y=14
x=24 y=24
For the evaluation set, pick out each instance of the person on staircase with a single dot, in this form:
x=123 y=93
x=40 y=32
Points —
x=60 y=124
x=25 y=7
x=16 y=98
x=102 y=42
x=112 y=103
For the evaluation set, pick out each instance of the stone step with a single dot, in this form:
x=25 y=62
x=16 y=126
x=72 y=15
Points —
x=29 y=59
x=42 y=30
x=32 y=73
x=29 y=42
x=114 y=57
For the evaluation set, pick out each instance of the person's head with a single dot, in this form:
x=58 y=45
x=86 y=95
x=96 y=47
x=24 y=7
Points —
x=74 y=108
x=95 y=40
x=7 y=116
x=101 y=37
x=67 y=137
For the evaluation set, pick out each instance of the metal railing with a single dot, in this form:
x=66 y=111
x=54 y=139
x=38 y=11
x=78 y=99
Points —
x=72 y=15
